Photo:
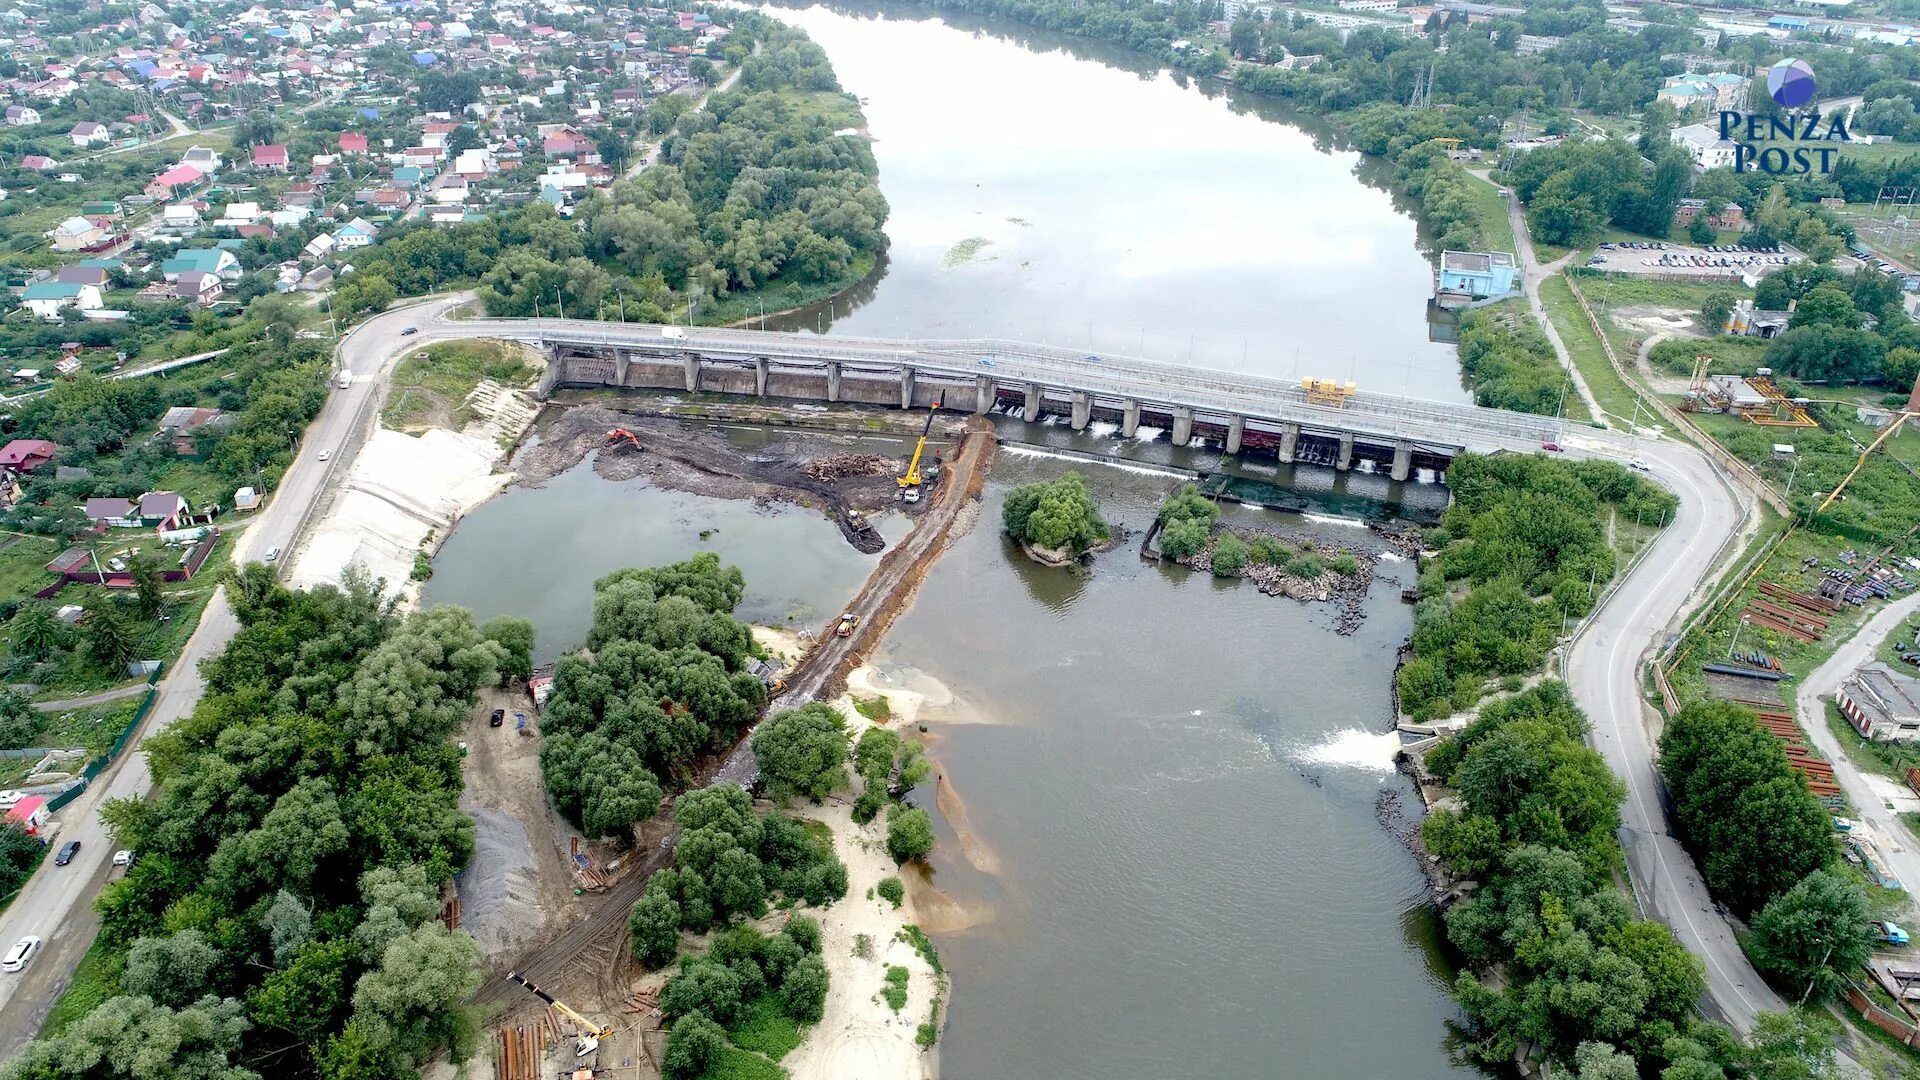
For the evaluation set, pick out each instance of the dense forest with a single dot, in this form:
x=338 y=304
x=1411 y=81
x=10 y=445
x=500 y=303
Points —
x=280 y=919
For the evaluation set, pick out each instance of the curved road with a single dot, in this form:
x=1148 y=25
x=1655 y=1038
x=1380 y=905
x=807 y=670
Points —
x=1603 y=670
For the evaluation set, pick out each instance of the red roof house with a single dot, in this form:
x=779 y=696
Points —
x=26 y=455
x=177 y=179
x=30 y=814
x=272 y=158
x=352 y=142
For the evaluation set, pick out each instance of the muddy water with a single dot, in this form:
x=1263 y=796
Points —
x=1167 y=861
x=1052 y=189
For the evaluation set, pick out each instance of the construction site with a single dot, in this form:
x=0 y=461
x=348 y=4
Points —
x=1753 y=398
x=564 y=997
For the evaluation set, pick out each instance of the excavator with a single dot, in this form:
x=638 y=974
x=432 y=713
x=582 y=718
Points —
x=590 y=1032
x=910 y=483
x=619 y=433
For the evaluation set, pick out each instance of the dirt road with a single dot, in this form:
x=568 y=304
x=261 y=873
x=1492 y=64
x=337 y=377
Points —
x=887 y=591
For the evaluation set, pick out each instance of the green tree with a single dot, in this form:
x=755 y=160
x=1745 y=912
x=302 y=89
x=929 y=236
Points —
x=909 y=833
x=803 y=752
x=111 y=643
x=516 y=636
x=133 y=1038
x=411 y=1000
x=1899 y=370
x=173 y=971
x=694 y=1044
x=1059 y=515
x=1229 y=555
x=1813 y=934
x=148 y=590
x=654 y=926
x=1700 y=232
x=35 y=630
x=805 y=989
x=1825 y=306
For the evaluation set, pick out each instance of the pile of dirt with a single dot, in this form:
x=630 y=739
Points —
x=843 y=466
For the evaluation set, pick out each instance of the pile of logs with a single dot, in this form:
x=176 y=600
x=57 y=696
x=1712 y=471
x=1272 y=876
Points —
x=842 y=466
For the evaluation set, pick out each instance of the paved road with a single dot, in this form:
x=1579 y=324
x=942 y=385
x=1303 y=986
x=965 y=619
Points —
x=1603 y=668
x=57 y=902
x=1889 y=833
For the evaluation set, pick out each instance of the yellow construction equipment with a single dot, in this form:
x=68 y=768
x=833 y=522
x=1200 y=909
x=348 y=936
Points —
x=910 y=482
x=590 y=1032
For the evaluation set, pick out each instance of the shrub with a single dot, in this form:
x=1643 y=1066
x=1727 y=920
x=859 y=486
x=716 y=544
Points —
x=909 y=833
x=892 y=890
x=1229 y=556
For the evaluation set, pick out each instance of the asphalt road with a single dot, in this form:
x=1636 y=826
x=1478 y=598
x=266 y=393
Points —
x=1888 y=833
x=1603 y=669
x=57 y=902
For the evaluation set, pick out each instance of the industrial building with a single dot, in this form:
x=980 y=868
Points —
x=1881 y=704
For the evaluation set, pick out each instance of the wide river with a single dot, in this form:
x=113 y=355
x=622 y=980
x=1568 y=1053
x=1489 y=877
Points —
x=1052 y=189
x=1170 y=782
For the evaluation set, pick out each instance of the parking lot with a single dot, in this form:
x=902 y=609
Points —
x=1685 y=260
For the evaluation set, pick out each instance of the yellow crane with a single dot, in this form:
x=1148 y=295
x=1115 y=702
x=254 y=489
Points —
x=910 y=482
x=590 y=1032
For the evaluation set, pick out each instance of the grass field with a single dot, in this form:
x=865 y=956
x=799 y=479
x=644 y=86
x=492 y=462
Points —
x=1493 y=211
x=766 y=1029
x=1615 y=398
x=23 y=565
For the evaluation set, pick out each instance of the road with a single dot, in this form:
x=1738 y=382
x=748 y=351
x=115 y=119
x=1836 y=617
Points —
x=1889 y=833
x=1532 y=273
x=57 y=902
x=653 y=149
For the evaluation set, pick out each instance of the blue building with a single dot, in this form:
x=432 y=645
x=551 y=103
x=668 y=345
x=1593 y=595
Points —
x=1475 y=274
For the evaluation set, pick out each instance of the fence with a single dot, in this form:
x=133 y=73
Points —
x=1896 y=1026
x=104 y=761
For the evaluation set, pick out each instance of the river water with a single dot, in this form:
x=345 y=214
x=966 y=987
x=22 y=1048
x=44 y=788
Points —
x=1170 y=782
x=1124 y=210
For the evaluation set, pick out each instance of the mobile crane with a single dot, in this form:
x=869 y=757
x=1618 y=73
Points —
x=910 y=483
x=590 y=1032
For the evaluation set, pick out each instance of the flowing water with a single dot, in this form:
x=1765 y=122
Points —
x=1174 y=867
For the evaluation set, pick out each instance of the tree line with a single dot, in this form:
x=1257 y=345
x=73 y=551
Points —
x=1527 y=535
x=279 y=918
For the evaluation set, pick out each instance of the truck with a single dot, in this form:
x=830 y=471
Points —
x=1888 y=932
x=346 y=379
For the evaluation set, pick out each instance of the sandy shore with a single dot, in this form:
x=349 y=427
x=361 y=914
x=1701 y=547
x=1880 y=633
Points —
x=860 y=1037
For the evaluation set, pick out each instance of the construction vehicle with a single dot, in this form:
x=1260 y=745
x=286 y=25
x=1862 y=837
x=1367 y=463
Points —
x=911 y=481
x=847 y=621
x=1888 y=933
x=619 y=433
x=590 y=1032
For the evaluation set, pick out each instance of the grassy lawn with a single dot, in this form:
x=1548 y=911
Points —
x=1613 y=394
x=1884 y=758
x=94 y=728
x=1727 y=355
x=430 y=387
x=1493 y=212
x=737 y=1064
x=1883 y=496
x=94 y=981
x=23 y=565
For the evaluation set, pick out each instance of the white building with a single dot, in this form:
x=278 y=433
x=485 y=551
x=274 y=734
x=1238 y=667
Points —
x=1703 y=141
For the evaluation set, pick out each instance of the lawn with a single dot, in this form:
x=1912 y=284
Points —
x=1727 y=355
x=737 y=1064
x=23 y=565
x=1616 y=399
x=1493 y=212
x=430 y=387
x=1883 y=499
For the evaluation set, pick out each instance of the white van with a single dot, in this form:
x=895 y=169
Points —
x=22 y=952
x=346 y=379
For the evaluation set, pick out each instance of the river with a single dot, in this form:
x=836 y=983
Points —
x=1052 y=189
x=1171 y=781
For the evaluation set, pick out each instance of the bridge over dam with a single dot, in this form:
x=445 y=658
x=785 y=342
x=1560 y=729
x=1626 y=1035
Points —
x=1245 y=414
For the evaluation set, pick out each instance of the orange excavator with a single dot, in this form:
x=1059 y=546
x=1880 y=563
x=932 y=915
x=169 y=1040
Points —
x=619 y=433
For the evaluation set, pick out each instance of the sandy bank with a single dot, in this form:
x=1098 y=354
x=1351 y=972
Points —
x=402 y=489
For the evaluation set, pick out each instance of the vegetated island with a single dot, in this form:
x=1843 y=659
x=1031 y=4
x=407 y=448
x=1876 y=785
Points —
x=1055 y=522
x=1300 y=567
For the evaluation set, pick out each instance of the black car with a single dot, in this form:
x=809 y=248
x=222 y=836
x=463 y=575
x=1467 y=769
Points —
x=409 y=331
x=499 y=717
x=66 y=853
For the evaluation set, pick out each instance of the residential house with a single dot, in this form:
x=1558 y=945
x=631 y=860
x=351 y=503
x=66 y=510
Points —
x=303 y=195
x=86 y=133
x=216 y=261
x=30 y=815
x=181 y=421
x=162 y=508
x=320 y=246
x=1477 y=274
x=38 y=162
x=48 y=298
x=352 y=142
x=206 y=160
x=270 y=158
x=175 y=182
x=198 y=287
x=112 y=511
x=26 y=455
x=357 y=233
x=316 y=279
x=84 y=275
x=180 y=217
x=1703 y=141
x=1881 y=704
x=22 y=116
x=238 y=214
x=78 y=234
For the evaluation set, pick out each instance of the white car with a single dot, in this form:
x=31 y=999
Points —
x=9 y=797
x=123 y=857
x=22 y=952
x=325 y=454
x=1636 y=463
